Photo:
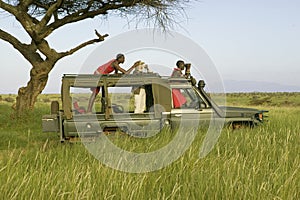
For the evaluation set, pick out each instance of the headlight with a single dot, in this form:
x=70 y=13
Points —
x=259 y=116
x=88 y=126
x=166 y=122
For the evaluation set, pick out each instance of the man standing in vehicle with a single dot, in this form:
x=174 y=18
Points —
x=107 y=68
x=178 y=98
x=177 y=72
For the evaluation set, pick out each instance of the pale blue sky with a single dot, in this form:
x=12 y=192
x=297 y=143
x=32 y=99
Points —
x=247 y=40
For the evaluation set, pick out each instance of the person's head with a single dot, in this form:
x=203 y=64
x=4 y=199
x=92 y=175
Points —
x=141 y=67
x=120 y=58
x=180 y=64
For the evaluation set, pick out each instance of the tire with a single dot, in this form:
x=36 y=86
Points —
x=241 y=125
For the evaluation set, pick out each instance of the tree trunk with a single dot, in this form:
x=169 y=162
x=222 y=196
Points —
x=27 y=96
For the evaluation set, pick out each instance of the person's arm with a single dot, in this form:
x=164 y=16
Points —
x=137 y=63
x=118 y=68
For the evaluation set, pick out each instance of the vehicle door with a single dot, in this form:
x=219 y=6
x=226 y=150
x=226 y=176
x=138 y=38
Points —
x=189 y=109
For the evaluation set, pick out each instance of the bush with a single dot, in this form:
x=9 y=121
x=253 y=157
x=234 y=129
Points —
x=46 y=100
x=9 y=99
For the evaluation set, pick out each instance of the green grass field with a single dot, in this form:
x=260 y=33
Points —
x=259 y=163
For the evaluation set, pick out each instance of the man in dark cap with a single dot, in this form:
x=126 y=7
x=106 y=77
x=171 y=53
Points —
x=107 y=68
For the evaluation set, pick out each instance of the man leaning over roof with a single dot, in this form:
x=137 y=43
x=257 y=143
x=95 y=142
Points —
x=107 y=68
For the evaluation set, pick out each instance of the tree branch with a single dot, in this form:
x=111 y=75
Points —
x=20 y=12
x=24 y=49
x=85 y=14
x=99 y=39
x=23 y=5
x=9 y=8
x=53 y=8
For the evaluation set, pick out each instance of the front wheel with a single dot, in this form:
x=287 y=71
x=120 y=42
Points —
x=241 y=125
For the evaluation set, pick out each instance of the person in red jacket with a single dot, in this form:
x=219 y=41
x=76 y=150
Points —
x=107 y=68
x=178 y=98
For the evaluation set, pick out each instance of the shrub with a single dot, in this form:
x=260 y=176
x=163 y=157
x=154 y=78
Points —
x=9 y=99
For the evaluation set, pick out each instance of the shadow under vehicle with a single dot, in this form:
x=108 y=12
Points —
x=114 y=111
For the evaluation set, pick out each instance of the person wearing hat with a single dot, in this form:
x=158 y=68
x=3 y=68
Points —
x=107 y=68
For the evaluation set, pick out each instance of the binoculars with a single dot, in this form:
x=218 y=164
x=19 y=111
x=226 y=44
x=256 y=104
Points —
x=187 y=67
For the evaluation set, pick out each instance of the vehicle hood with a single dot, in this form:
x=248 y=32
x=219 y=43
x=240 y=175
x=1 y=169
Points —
x=239 y=111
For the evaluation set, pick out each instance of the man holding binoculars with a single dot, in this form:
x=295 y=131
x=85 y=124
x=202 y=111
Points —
x=177 y=72
x=178 y=98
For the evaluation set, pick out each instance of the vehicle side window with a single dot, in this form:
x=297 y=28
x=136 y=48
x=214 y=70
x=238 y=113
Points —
x=131 y=99
x=80 y=98
x=186 y=98
x=121 y=99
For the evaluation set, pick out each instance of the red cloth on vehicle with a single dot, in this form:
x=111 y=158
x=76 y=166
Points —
x=178 y=98
x=77 y=108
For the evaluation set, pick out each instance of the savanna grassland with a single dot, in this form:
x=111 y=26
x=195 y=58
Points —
x=259 y=163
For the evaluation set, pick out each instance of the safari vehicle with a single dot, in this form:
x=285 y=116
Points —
x=114 y=110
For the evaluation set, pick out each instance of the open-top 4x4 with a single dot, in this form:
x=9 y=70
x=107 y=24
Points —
x=114 y=106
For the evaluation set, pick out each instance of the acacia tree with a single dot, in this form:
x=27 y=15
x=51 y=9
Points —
x=39 y=18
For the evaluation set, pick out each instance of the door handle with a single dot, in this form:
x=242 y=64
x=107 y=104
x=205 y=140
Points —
x=178 y=115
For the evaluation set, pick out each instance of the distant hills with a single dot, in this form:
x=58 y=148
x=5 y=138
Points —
x=258 y=86
x=231 y=86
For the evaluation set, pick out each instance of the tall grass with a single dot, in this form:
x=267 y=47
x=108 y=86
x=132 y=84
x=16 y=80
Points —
x=259 y=163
